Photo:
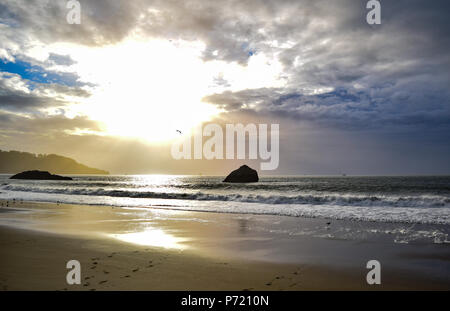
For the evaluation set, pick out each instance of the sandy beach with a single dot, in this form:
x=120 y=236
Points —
x=152 y=249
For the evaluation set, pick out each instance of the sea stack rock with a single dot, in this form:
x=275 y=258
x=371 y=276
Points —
x=39 y=175
x=242 y=175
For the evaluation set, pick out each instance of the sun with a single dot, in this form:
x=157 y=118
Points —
x=150 y=88
x=145 y=89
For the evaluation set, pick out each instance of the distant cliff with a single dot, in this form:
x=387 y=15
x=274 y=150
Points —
x=12 y=162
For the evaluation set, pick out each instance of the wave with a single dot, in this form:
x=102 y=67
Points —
x=438 y=185
x=427 y=201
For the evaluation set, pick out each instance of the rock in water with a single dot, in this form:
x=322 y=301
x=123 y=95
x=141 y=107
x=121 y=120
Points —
x=39 y=175
x=242 y=175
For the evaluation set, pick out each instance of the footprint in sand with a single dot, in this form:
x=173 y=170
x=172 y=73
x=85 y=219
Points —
x=125 y=276
x=86 y=284
x=93 y=267
x=149 y=266
x=276 y=278
x=103 y=282
x=297 y=272
x=112 y=254
x=289 y=279
x=136 y=270
x=105 y=272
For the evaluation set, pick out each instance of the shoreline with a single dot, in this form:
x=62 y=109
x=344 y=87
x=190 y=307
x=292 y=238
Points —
x=210 y=252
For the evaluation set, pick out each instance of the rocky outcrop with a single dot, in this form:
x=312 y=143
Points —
x=243 y=174
x=39 y=175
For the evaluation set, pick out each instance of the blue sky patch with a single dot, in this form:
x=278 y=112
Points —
x=38 y=74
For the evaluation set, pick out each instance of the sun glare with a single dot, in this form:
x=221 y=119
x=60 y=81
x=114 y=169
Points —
x=152 y=237
x=149 y=89
x=152 y=90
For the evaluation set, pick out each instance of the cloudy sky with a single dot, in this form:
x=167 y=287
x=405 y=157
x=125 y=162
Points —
x=110 y=92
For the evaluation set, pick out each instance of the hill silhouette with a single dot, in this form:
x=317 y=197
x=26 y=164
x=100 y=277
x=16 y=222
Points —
x=12 y=162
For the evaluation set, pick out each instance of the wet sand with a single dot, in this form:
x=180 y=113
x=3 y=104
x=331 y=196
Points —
x=146 y=249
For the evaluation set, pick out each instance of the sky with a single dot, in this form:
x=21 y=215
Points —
x=112 y=91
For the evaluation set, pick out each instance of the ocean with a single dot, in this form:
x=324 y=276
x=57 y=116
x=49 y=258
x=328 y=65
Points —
x=412 y=200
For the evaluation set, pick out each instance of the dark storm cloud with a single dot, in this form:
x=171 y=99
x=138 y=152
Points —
x=233 y=30
x=102 y=21
x=21 y=101
x=20 y=95
x=394 y=74
x=19 y=98
x=343 y=108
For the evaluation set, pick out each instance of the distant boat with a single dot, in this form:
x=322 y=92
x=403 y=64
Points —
x=344 y=175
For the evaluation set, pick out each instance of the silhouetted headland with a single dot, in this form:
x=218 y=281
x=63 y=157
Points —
x=14 y=161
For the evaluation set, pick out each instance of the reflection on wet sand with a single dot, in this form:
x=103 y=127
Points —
x=243 y=225
x=152 y=237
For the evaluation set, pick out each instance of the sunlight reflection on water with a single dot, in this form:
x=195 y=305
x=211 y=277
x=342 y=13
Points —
x=152 y=237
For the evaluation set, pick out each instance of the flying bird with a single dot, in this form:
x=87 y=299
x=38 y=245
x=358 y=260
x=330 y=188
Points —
x=179 y=131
